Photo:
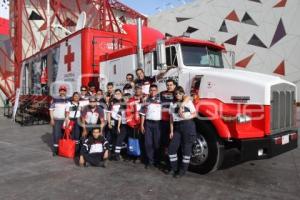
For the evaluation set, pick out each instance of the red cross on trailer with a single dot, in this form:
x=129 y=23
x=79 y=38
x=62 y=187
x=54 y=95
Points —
x=69 y=58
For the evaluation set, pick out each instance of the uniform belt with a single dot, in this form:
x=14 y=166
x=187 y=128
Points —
x=152 y=121
x=177 y=123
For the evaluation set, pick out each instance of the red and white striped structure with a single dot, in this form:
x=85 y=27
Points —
x=33 y=28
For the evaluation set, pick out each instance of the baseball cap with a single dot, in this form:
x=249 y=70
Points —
x=62 y=87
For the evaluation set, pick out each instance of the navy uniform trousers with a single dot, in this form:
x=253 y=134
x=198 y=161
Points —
x=152 y=141
x=76 y=133
x=57 y=133
x=184 y=135
x=120 y=137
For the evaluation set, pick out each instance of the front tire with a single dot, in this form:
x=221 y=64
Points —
x=208 y=149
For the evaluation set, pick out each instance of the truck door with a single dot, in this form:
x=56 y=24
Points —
x=172 y=62
x=195 y=88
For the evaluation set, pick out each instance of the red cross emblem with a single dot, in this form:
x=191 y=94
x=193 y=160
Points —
x=69 y=58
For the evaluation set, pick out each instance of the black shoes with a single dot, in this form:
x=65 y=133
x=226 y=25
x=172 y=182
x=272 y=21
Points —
x=105 y=163
x=178 y=174
x=150 y=167
x=116 y=157
x=55 y=152
x=181 y=173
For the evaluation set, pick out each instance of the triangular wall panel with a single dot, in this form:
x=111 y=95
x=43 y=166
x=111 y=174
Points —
x=232 y=40
x=280 y=4
x=280 y=69
x=255 y=41
x=279 y=33
x=247 y=19
x=233 y=16
x=223 y=27
x=244 y=62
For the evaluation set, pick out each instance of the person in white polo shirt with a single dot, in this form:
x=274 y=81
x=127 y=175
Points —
x=150 y=126
x=57 y=116
x=92 y=116
x=182 y=132
x=73 y=111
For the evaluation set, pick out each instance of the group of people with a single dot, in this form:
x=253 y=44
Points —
x=103 y=121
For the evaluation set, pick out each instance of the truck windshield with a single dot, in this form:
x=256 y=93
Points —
x=201 y=56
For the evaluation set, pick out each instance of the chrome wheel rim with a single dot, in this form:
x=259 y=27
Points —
x=199 y=151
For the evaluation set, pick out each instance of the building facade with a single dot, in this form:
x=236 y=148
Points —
x=263 y=34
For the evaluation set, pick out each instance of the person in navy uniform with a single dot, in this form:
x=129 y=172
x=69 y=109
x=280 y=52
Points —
x=92 y=89
x=57 y=116
x=99 y=95
x=146 y=81
x=92 y=116
x=110 y=88
x=130 y=79
x=105 y=104
x=150 y=126
x=117 y=121
x=167 y=98
x=73 y=111
x=182 y=132
x=94 y=150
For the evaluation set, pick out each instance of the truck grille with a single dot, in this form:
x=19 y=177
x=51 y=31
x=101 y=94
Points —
x=282 y=107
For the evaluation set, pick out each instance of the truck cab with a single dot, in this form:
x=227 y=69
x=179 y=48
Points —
x=252 y=112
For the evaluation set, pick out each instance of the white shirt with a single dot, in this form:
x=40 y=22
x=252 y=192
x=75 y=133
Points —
x=118 y=112
x=71 y=108
x=58 y=106
x=189 y=110
x=84 y=101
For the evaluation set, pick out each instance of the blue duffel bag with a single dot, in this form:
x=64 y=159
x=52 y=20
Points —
x=133 y=147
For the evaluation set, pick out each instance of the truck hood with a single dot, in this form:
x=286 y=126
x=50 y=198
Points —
x=229 y=84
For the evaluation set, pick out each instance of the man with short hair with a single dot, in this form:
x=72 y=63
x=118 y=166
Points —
x=110 y=88
x=166 y=98
x=129 y=78
x=92 y=116
x=94 y=150
x=92 y=89
x=150 y=126
x=146 y=81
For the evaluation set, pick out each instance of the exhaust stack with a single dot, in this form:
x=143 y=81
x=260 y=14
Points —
x=140 y=53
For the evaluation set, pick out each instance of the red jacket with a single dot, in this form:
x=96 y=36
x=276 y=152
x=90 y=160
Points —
x=133 y=112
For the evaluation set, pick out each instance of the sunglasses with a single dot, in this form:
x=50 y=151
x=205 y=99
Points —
x=178 y=93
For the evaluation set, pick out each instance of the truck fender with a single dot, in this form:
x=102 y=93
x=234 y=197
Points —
x=207 y=114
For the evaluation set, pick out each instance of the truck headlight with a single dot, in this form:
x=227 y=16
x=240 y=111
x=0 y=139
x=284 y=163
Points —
x=243 y=119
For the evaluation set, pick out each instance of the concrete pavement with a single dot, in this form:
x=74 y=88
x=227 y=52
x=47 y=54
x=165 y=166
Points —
x=28 y=171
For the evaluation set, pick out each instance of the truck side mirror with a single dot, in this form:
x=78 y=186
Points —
x=161 y=55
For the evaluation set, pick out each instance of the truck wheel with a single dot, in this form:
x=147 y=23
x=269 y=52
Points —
x=208 y=149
